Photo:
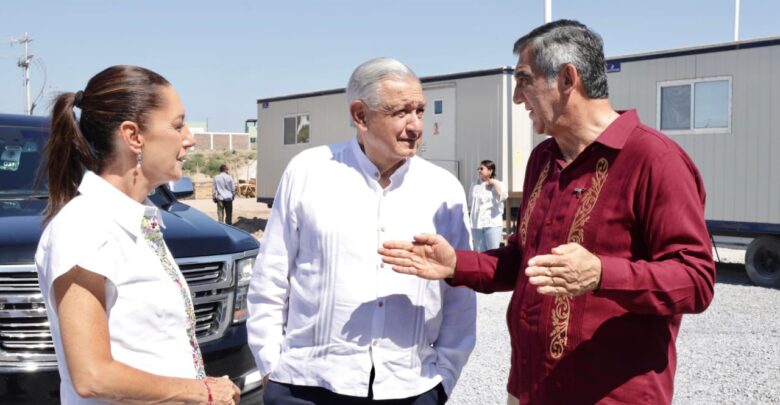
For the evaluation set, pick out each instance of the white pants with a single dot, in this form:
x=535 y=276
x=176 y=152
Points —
x=512 y=400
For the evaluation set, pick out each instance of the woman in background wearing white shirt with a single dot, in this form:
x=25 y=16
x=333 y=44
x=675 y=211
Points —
x=120 y=310
x=487 y=208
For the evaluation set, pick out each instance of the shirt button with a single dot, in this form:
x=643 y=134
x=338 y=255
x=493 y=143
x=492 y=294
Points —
x=548 y=221
x=376 y=343
x=376 y=174
x=523 y=315
x=381 y=229
x=381 y=304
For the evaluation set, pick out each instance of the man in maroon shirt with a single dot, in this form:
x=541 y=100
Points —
x=611 y=248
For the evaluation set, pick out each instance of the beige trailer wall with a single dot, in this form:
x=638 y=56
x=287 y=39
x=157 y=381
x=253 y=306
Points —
x=480 y=126
x=329 y=123
x=741 y=168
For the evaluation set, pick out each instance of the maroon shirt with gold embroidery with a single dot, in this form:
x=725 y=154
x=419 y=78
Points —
x=636 y=200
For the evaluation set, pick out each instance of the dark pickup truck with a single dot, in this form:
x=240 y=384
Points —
x=215 y=259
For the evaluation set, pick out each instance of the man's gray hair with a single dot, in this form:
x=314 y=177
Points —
x=567 y=41
x=364 y=82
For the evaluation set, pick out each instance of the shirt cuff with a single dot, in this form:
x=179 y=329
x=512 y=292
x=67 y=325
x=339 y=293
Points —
x=615 y=273
x=465 y=259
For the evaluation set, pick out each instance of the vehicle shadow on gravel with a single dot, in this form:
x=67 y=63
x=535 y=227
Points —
x=732 y=273
x=251 y=225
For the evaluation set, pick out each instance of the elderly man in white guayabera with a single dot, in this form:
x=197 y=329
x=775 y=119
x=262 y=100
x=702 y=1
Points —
x=329 y=323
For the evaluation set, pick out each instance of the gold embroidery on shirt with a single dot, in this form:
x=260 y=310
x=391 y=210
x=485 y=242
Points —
x=562 y=308
x=532 y=202
x=560 y=322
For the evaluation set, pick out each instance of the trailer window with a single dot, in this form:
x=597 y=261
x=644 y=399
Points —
x=296 y=129
x=438 y=107
x=695 y=106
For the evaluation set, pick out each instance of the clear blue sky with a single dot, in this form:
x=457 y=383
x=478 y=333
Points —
x=222 y=56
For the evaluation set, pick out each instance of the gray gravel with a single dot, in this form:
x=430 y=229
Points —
x=730 y=354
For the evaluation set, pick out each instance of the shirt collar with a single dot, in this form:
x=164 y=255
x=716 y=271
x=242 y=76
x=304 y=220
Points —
x=117 y=205
x=370 y=170
x=617 y=133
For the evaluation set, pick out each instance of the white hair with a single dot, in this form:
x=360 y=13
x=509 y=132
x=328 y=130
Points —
x=364 y=82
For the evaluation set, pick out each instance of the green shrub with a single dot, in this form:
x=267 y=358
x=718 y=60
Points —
x=212 y=166
x=194 y=163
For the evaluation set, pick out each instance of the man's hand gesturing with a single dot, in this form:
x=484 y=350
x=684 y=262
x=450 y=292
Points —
x=429 y=256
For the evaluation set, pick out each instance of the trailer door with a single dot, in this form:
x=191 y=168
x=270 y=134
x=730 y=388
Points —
x=438 y=145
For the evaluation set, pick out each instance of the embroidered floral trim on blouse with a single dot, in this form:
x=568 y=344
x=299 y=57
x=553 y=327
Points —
x=153 y=236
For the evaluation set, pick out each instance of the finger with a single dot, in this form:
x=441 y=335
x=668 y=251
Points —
x=406 y=270
x=532 y=271
x=565 y=249
x=394 y=252
x=236 y=392
x=541 y=281
x=544 y=260
x=397 y=244
x=559 y=282
x=403 y=259
x=427 y=238
x=552 y=290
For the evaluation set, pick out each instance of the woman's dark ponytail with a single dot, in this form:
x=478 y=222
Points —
x=67 y=155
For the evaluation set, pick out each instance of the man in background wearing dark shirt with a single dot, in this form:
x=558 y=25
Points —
x=611 y=248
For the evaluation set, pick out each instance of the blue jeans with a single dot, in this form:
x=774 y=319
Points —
x=486 y=238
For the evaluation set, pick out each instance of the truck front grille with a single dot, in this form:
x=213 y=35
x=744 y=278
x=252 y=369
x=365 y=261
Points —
x=25 y=337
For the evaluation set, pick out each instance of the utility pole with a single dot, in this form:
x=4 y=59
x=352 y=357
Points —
x=24 y=63
x=736 y=20
x=547 y=11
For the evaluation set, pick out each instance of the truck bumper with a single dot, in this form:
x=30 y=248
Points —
x=229 y=355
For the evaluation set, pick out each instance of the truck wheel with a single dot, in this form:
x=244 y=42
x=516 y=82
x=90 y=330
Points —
x=762 y=261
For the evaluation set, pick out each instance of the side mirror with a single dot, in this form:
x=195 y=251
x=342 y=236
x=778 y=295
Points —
x=182 y=188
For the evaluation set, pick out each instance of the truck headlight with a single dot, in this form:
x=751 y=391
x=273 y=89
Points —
x=243 y=275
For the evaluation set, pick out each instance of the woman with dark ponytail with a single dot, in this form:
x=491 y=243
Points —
x=120 y=311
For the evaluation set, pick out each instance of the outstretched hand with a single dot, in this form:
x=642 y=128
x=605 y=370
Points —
x=569 y=270
x=428 y=256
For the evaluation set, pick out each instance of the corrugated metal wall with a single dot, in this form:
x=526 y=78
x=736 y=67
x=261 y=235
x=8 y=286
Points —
x=741 y=169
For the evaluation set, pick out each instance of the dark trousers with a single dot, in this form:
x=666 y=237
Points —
x=225 y=211
x=287 y=394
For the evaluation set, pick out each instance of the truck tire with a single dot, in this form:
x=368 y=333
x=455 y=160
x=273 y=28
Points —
x=762 y=261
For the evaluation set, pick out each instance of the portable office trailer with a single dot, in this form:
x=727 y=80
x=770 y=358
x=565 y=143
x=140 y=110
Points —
x=469 y=117
x=721 y=103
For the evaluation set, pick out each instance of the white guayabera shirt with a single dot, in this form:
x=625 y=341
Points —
x=100 y=231
x=323 y=308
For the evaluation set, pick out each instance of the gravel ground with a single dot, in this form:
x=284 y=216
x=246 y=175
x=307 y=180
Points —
x=730 y=354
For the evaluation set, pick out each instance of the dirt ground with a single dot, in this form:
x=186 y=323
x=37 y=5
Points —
x=248 y=214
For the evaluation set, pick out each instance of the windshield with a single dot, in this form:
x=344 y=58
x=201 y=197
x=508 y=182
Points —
x=21 y=149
